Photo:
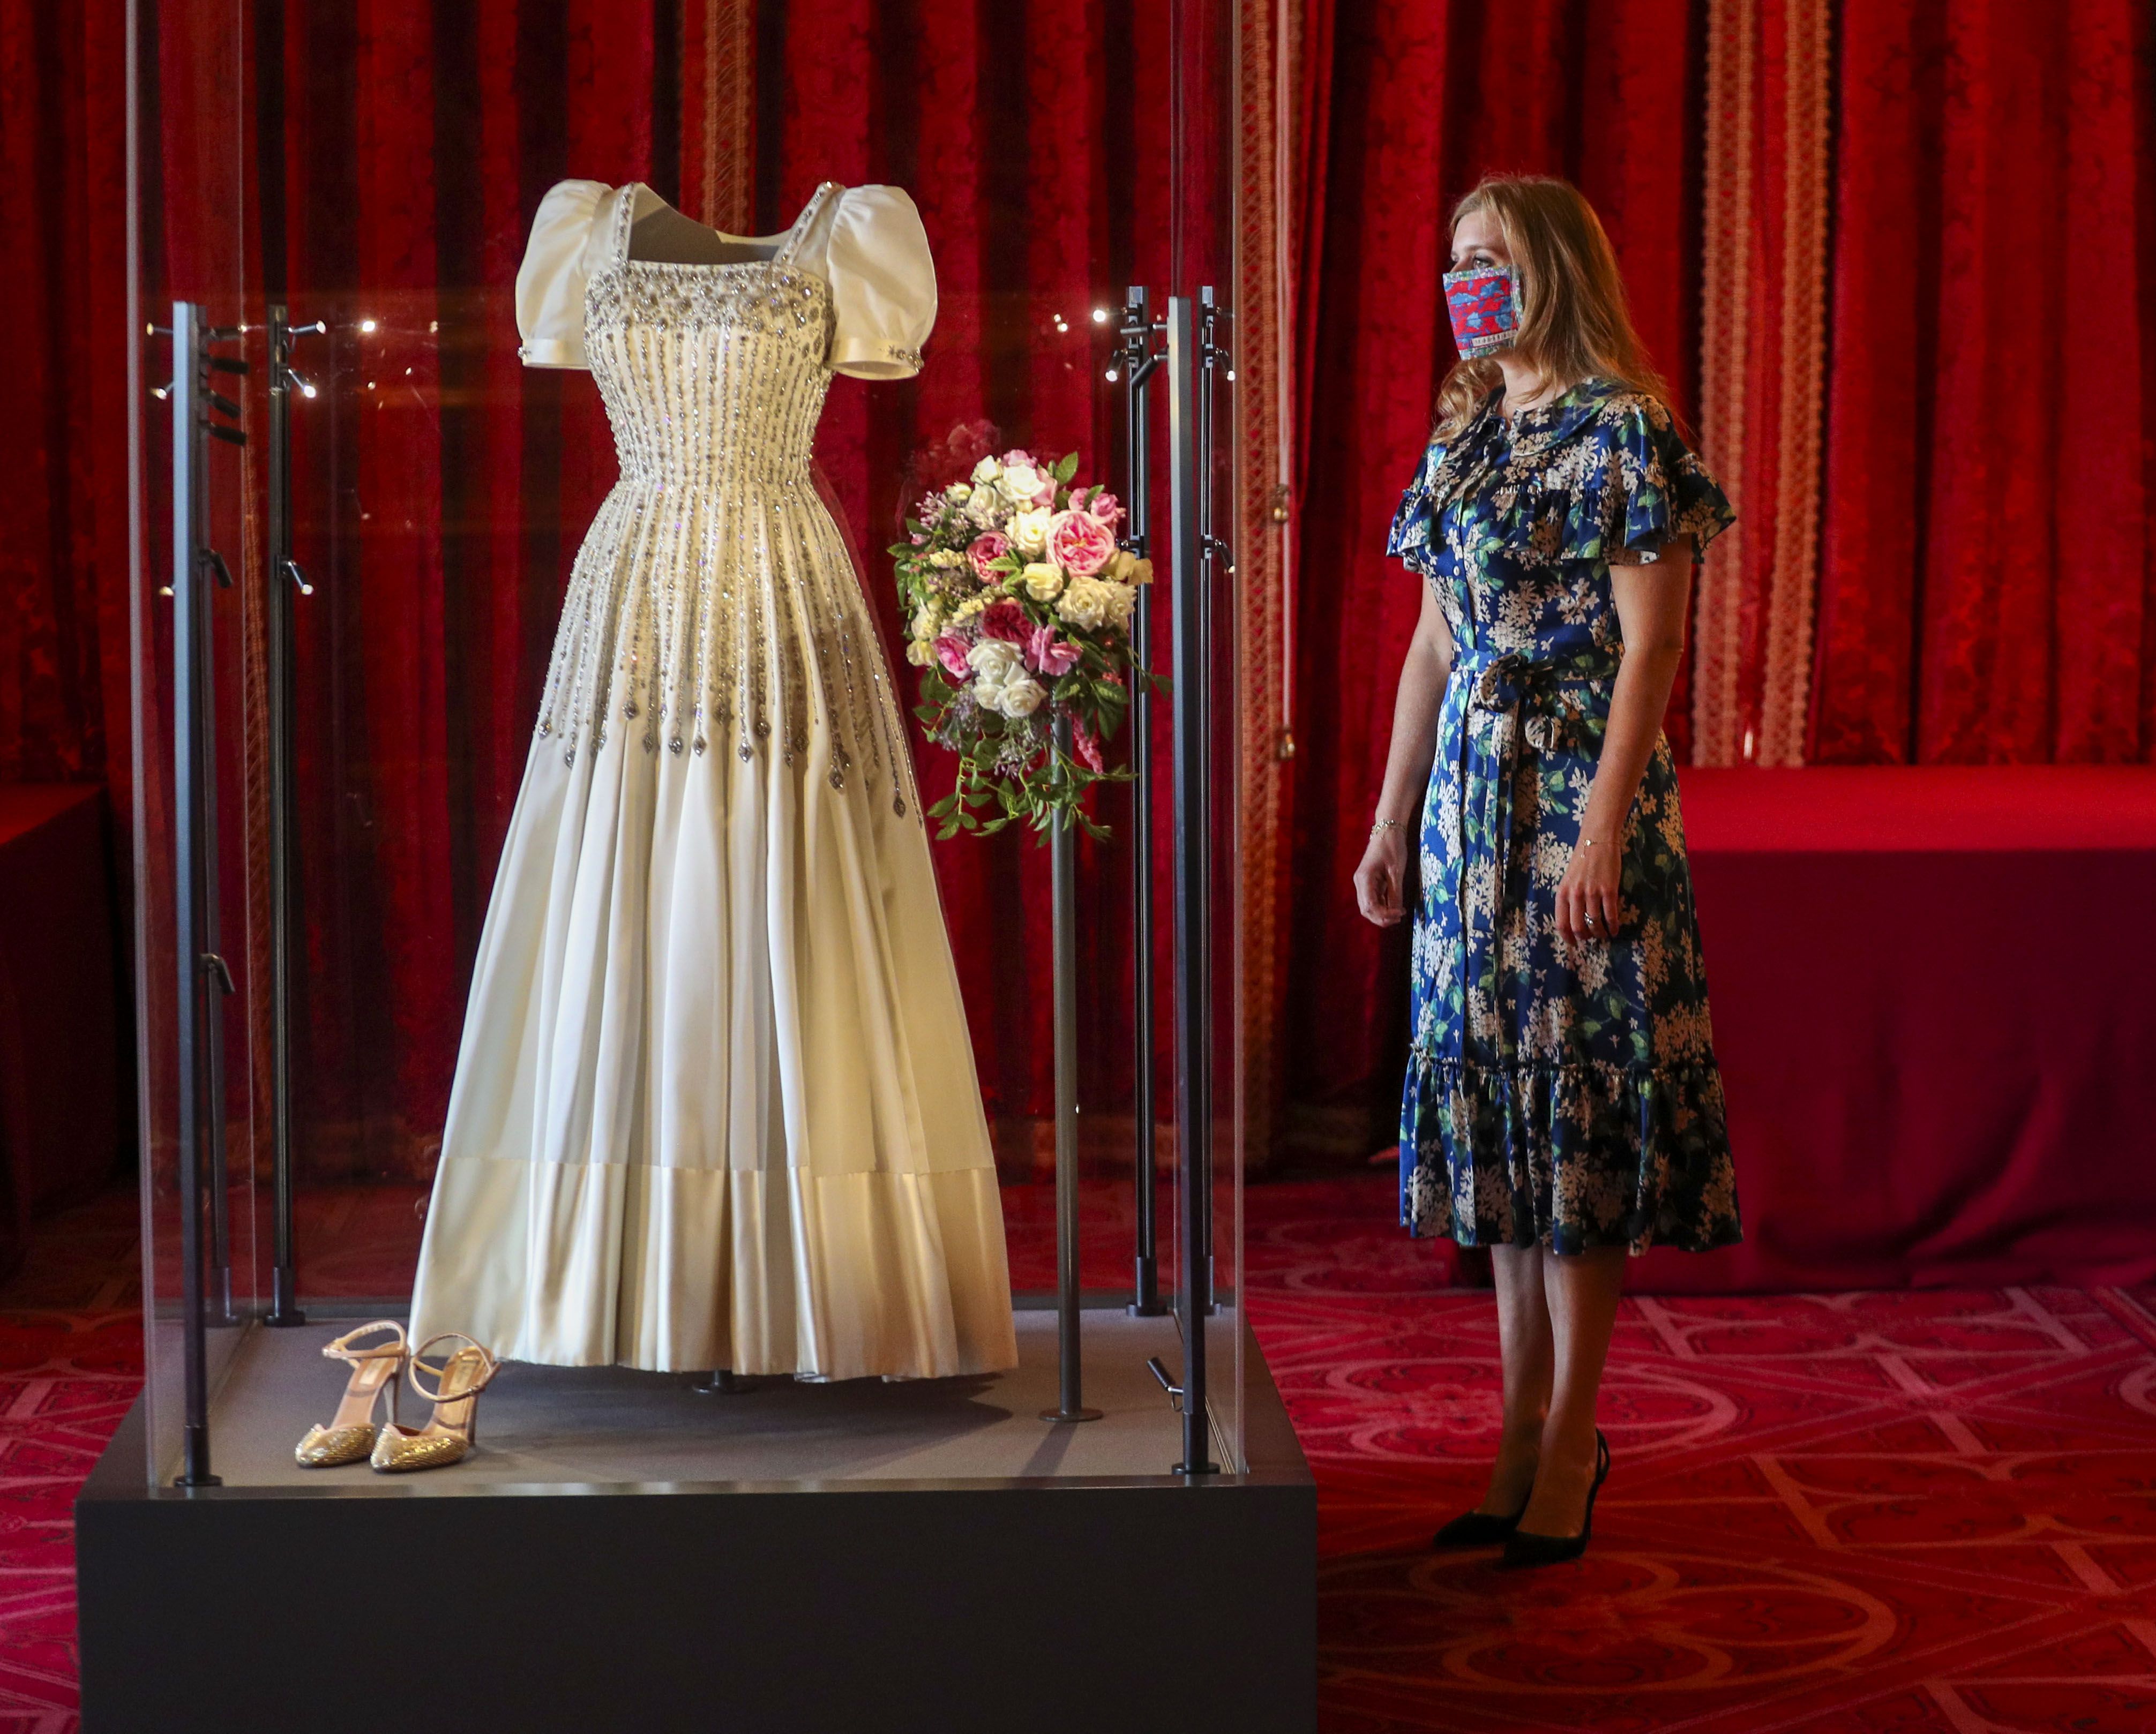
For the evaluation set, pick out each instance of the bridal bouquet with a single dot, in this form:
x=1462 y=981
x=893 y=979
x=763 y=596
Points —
x=1020 y=605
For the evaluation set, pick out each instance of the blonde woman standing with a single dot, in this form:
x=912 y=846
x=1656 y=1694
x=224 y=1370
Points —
x=1562 y=1104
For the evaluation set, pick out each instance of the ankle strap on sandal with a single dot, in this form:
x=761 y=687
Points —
x=342 y=1349
x=488 y=1368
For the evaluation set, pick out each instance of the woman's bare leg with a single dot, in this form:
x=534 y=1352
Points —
x=1581 y=1291
x=1524 y=1345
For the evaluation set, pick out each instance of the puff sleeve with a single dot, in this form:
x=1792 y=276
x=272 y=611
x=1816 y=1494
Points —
x=550 y=283
x=883 y=284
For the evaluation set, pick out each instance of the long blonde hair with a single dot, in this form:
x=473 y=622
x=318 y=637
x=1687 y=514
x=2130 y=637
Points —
x=1573 y=319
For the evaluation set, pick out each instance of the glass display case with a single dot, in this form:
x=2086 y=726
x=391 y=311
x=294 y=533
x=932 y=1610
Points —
x=357 y=515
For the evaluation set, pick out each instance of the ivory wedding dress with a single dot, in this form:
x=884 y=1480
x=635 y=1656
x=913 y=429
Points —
x=715 y=1104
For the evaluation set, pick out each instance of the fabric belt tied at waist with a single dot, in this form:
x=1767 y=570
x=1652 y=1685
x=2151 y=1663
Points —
x=1524 y=703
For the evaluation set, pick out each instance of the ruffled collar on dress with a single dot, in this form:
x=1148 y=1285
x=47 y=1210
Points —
x=1552 y=424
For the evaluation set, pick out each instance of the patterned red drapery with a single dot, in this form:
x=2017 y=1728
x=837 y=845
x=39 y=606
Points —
x=63 y=654
x=1987 y=581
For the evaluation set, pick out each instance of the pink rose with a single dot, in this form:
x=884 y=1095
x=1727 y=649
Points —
x=951 y=651
x=1105 y=507
x=1005 y=620
x=992 y=545
x=1079 y=543
x=1044 y=494
x=1089 y=747
x=1016 y=456
x=1047 y=654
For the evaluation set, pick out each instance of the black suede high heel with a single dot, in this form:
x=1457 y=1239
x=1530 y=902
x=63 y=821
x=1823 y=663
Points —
x=1524 y=1548
x=1477 y=1529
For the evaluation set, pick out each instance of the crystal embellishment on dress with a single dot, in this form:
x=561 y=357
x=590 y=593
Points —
x=713 y=577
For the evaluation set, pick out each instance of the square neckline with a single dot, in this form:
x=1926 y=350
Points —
x=787 y=239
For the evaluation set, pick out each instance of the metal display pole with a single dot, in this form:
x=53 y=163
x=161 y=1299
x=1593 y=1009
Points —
x=284 y=577
x=1194 y=1052
x=1063 y=870
x=1137 y=358
x=203 y=978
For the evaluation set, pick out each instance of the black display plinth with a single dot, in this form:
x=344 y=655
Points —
x=1033 y=1602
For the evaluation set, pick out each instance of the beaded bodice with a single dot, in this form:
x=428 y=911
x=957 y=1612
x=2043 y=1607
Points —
x=714 y=600
x=713 y=375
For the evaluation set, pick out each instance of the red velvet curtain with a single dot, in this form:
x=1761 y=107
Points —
x=401 y=151
x=1986 y=585
x=1411 y=103
x=64 y=657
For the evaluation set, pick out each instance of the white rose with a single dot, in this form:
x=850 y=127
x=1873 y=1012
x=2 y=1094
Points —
x=1043 y=582
x=987 y=507
x=1028 y=532
x=921 y=652
x=986 y=471
x=1091 y=604
x=995 y=661
x=958 y=492
x=1020 y=484
x=1023 y=696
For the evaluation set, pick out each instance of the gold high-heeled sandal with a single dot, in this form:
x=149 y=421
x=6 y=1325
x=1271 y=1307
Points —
x=350 y=1435
x=449 y=1435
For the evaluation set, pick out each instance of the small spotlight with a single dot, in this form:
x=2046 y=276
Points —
x=434 y=325
x=407 y=374
x=370 y=385
x=308 y=391
x=1100 y=315
x=367 y=325
x=161 y=393
x=1112 y=376
x=1231 y=376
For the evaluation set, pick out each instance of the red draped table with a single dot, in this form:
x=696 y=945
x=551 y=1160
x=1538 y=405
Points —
x=1933 y=1005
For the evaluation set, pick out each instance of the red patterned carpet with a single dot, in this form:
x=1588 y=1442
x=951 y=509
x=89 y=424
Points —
x=1855 y=1513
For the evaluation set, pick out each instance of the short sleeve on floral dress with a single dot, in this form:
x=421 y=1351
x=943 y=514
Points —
x=1559 y=1094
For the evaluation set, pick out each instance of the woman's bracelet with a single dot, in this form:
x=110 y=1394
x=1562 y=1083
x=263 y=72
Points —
x=1387 y=824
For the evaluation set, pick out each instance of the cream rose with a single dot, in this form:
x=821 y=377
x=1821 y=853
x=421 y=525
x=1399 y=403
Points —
x=1092 y=604
x=986 y=471
x=1023 y=696
x=1028 y=533
x=1020 y=483
x=1043 y=582
x=996 y=663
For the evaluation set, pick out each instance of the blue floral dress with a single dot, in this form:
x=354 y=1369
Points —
x=1557 y=1093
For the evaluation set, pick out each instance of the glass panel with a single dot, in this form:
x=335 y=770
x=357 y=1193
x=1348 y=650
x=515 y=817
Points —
x=189 y=226
x=382 y=181
x=1202 y=191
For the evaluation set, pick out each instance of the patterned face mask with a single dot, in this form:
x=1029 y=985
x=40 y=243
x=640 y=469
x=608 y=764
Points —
x=1484 y=301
